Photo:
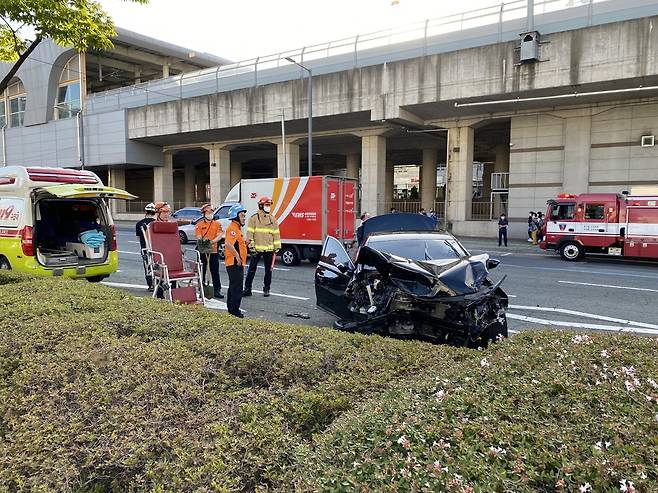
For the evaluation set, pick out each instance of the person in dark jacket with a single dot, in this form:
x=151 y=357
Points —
x=502 y=229
x=140 y=229
x=359 y=231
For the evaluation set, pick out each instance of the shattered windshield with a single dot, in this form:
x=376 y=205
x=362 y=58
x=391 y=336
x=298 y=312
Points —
x=417 y=248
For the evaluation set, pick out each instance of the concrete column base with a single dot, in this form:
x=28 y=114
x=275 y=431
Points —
x=287 y=159
x=428 y=179
x=460 y=173
x=116 y=177
x=373 y=174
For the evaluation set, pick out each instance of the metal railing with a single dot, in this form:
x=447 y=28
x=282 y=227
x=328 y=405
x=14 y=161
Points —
x=487 y=210
x=415 y=40
x=499 y=181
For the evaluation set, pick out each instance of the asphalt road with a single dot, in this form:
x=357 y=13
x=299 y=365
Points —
x=596 y=294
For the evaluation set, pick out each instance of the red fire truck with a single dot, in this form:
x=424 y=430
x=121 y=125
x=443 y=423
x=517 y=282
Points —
x=622 y=225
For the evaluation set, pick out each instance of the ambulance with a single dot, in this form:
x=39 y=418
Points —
x=618 y=225
x=44 y=212
x=308 y=209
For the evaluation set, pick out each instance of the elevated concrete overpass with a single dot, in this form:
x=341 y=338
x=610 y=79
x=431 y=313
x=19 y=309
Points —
x=571 y=120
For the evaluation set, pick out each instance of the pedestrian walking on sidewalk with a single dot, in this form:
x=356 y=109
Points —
x=502 y=229
x=235 y=256
x=140 y=231
x=208 y=234
x=264 y=241
x=530 y=221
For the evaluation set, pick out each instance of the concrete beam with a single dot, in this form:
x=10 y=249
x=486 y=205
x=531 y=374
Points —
x=150 y=58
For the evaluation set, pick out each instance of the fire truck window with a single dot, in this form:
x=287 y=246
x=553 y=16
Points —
x=562 y=212
x=594 y=211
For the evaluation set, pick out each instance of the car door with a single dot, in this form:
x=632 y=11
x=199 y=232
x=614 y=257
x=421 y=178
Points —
x=333 y=273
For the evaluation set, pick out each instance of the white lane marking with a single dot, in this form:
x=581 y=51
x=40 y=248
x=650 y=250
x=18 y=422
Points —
x=142 y=286
x=609 y=286
x=510 y=331
x=276 y=268
x=132 y=241
x=511 y=296
x=123 y=285
x=283 y=295
x=584 y=315
x=129 y=253
x=582 y=271
x=581 y=325
x=506 y=254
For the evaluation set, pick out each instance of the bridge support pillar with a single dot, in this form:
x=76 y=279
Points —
x=428 y=178
x=116 y=178
x=373 y=174
x=190 y=184
x=220 y=171
x=287 y=159
x=163 y=180
x=236 y=172
x=460 y=173
x=353 y=163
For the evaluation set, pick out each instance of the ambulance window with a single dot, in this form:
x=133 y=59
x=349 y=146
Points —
x=594 y=211
x=562 y=212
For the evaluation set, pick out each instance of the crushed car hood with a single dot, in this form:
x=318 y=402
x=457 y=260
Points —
x=430 y=278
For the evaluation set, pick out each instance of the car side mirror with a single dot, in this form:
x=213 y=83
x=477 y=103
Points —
x=342 y=267
x=492 y=263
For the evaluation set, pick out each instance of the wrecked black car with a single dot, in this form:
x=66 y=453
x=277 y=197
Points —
x=411 y=283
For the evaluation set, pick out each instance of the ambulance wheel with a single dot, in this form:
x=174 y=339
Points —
x=4 y=264
x=289 y=256
x=571 y=251
x=182 y=236
x=96 y=278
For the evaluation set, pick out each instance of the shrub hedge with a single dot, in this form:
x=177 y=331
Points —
x=101 y=391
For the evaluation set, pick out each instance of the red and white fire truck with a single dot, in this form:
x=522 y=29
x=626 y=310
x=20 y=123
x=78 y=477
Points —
x=602 y=223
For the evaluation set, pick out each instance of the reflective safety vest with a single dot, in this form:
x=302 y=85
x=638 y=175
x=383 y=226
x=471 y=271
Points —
x=263 y=233
x=234 y=237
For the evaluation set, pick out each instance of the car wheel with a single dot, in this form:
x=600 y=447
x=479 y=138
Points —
x=182 y=236
x=220 y=250
x=96 y=278
x=4 y=264
x=289 y=256
x=571 y=251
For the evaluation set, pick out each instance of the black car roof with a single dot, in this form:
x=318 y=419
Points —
x=404 y=235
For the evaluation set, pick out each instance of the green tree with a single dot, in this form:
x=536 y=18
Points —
x=82 y=24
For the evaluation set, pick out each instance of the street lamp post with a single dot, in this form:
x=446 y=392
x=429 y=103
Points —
x=310 y=114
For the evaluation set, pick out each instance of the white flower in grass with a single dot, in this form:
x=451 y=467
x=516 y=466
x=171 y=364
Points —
x=496 y=451
x=404 y=441
x=584 y=488
x=598 y=445
x=643 y=475
x=628 y=370
x=484 y=363
x=607 y=445
x=653 y=383
x=626 y=486
x=604 y=354
x=630 y=386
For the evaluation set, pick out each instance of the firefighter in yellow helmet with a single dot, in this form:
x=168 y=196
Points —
x=264 y=240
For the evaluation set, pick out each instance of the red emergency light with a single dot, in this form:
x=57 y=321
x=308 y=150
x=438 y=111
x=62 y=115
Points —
x=566 y=196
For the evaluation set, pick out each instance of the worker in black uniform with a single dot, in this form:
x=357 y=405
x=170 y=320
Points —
x=140 y=229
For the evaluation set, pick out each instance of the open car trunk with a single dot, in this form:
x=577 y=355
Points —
x=72 y=226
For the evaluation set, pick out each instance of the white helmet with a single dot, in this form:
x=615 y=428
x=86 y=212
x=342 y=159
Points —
x=150 y=207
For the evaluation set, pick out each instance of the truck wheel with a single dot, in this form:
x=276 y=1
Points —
x=571 y=251
x=183 y=237
x=289 y=256
x=4 y=264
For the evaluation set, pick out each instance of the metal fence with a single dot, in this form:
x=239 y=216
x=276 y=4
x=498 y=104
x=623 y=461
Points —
x=343 y=54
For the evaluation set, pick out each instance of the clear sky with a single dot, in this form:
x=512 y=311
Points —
x=242 y=29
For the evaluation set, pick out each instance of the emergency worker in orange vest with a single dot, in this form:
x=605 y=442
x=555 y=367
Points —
x=264 y=240
x=235 y=257
x=208 y=233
